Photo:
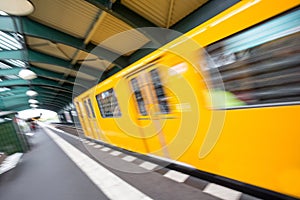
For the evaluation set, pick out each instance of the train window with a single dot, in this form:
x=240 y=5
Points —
x=91 y=108
x=108 y=104
x=138 y=97
x=259 y=66
x=159 y=91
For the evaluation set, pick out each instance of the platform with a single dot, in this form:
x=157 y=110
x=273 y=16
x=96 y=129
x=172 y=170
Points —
x=63 y=166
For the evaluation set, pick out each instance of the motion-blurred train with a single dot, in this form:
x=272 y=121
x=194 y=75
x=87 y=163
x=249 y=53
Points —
x=223 y=98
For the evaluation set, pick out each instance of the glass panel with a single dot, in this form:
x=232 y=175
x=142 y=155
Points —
x=159 y=91
x=259 y=66
x=108 y=104
x=138 y=96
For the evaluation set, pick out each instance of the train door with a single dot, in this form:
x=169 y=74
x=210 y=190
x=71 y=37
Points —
x=93 y=120
x=80 y=116
x=153 y=108
x=89 y=119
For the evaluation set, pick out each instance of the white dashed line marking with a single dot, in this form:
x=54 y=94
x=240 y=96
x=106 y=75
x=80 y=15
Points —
x=129 y=158
x=115 y=153
x=91 y=143
x=176 y=176
x=222 y=192
x=110 y=184
x=148 y=165
x=97 y=146
x=105 y=149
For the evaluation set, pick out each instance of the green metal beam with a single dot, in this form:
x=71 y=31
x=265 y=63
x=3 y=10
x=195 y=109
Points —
x=52 y=104
x=35 y=56
x=197 y=17
x=41 y=81
x=37 y=81
x=14 y=82
x=42 y=87
x=35 y=29
x=6 y=104
x=47 y=73
x=55 y=103
x=44 y=97
x=12 y=71
x=117 y=59
x=14 y=91
x=9 y=23
x=41 y=97
x=13 y=54
x=40 y=90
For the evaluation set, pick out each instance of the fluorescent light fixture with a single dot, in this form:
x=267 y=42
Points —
x=31 y=93
x=16 y=7
x=27 y=74
x=3 y=13
x=33 y=106
x=33 y=101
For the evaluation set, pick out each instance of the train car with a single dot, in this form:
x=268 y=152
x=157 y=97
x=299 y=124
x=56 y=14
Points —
x=223 y=98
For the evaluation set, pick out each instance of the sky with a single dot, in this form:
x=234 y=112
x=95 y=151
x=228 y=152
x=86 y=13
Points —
x=46 y=114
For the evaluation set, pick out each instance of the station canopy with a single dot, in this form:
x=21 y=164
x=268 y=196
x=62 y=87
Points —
x=66 y=43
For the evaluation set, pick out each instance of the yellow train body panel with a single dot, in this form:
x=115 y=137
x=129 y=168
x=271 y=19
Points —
x=259 y=146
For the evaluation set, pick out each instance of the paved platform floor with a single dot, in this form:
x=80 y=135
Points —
x=46 y=173
x=61 y=166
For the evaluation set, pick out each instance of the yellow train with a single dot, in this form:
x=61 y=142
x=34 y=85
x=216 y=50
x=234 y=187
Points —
x=232 y=111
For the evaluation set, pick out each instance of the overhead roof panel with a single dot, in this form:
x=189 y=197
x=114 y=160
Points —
x=63 y=70
x=97 y=64
x=50 y=49
x=67 y=50
x=164 y=13
x=74 y=17
x=117 y=36
x=183 y=8
x=50 y=67
x=154 y=11
x=82 y=75
x=82 y=55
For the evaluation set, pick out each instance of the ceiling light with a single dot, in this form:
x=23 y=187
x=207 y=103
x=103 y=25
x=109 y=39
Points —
x=27 y=74
x=31 y=93
x=33 y=106
x=32 y=101
x=16 y=7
